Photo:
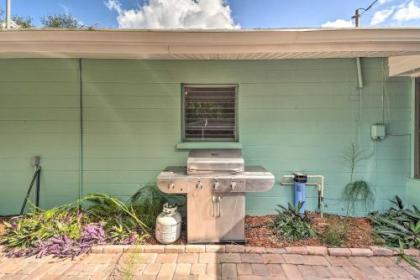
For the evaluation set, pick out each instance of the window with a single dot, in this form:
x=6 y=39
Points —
x=209 y=113
x=417 y=129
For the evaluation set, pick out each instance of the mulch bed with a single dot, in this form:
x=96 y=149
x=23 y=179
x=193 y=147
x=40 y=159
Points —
x=259 y=233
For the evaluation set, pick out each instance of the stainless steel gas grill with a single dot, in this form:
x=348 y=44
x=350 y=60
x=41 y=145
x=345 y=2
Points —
x=215 y=182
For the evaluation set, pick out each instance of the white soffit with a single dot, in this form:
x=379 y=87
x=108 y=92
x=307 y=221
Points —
x=408 y=65
x=218 y=44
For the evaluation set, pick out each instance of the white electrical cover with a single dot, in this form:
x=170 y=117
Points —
x=377 y=132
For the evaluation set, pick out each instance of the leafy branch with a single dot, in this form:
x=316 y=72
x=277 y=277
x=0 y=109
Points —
x=356 y=190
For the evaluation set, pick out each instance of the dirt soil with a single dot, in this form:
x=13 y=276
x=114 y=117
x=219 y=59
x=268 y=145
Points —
x=259 y=233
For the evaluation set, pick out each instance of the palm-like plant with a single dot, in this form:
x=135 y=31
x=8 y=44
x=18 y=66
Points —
x=399 y=226
x=121 y=221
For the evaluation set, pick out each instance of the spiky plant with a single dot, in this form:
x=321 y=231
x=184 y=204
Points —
x=289 y=224
x=399 y=226
x=402 y=256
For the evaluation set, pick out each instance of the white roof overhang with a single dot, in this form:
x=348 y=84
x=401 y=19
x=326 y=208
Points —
x=213 y=44
x=406 y=65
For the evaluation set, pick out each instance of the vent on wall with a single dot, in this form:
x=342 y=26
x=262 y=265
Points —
x=209 y=113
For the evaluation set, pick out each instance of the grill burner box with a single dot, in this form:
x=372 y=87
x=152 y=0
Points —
x=215 y=183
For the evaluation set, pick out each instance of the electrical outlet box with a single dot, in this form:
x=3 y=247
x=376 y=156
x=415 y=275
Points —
x=36 y=161
x=377 y=132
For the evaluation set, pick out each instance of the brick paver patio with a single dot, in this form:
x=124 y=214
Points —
x=205 y=265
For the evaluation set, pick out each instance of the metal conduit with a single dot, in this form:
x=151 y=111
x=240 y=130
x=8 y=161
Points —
x=81 y=163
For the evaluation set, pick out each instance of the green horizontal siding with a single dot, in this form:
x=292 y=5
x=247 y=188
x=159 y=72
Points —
x=293 y=115
x=39 y=115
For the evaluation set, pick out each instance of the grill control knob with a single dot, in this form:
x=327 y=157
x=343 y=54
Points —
x=199 y=185
x=171 y=186
x=216 y=186
x=233 y=185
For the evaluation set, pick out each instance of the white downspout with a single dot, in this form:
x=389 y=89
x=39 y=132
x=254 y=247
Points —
x=359 y=73
x=360 y=90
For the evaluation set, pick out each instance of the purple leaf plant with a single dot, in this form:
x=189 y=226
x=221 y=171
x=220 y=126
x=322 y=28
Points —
x=63 y=246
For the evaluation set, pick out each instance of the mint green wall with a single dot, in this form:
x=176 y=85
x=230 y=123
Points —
x=413 y=185
x=39 y=115
x=413 y=193
x=293 y=115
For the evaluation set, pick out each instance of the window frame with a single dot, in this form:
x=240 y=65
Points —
x=212 y=85
x=417 y=128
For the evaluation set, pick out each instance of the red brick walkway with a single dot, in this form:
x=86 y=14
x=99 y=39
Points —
x=206 y=266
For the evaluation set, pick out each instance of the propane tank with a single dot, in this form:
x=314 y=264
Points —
x=168 y=224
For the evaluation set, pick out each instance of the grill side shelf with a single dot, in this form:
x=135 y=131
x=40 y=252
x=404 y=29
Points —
x=177 y=181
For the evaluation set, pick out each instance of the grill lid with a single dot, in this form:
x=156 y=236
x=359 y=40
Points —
x=215 y=161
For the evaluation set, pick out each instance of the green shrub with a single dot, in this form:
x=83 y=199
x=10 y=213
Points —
x=147 y=202
x=399 y=226
x=96 y=217
x=125 y=222
x=288 y=224
x=38 y=225
x=358 y=191
x=334 y=234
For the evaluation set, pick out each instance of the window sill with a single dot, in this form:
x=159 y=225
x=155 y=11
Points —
x=208 y=145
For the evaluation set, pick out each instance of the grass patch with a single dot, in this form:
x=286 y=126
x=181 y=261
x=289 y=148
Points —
x=334 y=234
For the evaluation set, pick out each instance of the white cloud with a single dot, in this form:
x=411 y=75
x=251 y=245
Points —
x=381 y=2
x=160 y=14
x=381 y=16
x=407 y=12
x=114 y=5
x=338 y=23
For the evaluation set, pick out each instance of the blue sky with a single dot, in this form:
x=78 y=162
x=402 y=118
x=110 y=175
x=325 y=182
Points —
x=216 y=14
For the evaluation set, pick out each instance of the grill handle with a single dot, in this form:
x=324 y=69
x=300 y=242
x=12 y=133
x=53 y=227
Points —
x=219 y=208
x=216 y=203
x=213 y=200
